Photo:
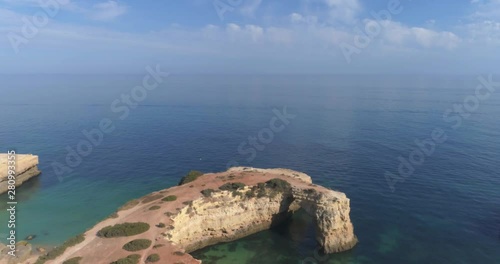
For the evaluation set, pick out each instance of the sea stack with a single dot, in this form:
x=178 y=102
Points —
x=206 y=209
x=25 y=168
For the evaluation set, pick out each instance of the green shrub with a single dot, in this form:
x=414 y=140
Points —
x=310 y=191
x=160 y=225
x=169 y=198
x=125 y=229
x=278 y=184
x=250 y=194
x=191 y=176
x=236 y=193
x=73 y=260
x=56 y=252
x=207 y=192
x=232 y=186
x=154 y=207
x=130 y=259
x=153 y=258
x=270 y=188
x=137 y=244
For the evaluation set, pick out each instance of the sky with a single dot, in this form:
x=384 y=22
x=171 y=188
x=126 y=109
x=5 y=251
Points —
x=250 y=36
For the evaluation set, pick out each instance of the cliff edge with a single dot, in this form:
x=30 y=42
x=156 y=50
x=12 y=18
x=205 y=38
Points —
x=26 y=167
x=207 y=209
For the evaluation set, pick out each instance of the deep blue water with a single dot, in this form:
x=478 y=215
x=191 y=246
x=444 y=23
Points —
x=347 y=131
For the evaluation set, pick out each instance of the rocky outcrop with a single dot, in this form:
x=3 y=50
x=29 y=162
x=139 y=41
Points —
x=25 y=167
x=330 y=210
x=218 y=207
x=224 y=217
x=23 y=252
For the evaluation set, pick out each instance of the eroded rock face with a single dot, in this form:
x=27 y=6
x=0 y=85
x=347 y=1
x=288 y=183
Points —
x=330 y=210
x=26 y=168
x=223 y=218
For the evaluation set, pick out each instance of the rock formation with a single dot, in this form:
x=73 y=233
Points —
x=23 y=252
x=212 y=208
x=26 y=168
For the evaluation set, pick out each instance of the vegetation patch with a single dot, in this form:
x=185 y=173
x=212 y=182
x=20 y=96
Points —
x=129 y=204
x=154 y=207
x=56 y=252
x=137 y=244
x=122 y=230
x=169 y=198
x=160 y=225
x=153 y=258
x=207 y=192
x=271 y=188
x=190 y=177
x=278 y=184
x=73 y=260
x=179 y=253
x=130 y=259
x=232 y=186
x=158 y=246
x=151 y=198
x=310 y=191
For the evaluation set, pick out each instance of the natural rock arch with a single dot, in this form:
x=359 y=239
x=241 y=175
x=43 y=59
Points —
x=224 y=217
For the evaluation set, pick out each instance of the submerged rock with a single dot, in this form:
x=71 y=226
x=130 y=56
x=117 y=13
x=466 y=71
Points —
x=30 y=237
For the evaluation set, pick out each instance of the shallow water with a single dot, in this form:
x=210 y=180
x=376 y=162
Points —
x=347 y=132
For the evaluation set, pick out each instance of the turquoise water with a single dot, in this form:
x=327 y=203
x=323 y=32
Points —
x=347 y=132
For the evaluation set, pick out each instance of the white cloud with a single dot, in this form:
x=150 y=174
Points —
x=482 y=27
x=304 y=34
x=103 y=11
x=106 y=10
x=484 y=32
x=396 y=33
x=429 y=38
x=343 y=10
x=250 y=7
x=298 y=19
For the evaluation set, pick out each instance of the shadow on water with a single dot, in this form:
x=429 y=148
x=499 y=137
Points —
x=24 y=192
x=292 y=242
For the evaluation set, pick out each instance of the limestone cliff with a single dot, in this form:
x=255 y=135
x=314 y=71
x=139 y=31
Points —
x=224 y=217
x=25 y=167
x=209 y=209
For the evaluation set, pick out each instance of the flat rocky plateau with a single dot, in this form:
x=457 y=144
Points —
x=212 y=208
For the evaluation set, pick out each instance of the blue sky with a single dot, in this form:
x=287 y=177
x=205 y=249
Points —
x=250 y=36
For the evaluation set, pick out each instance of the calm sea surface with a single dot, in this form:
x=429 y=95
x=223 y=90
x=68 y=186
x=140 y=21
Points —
x=347 y=132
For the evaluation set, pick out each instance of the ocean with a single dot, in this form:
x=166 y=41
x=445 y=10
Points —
x=417 y=155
